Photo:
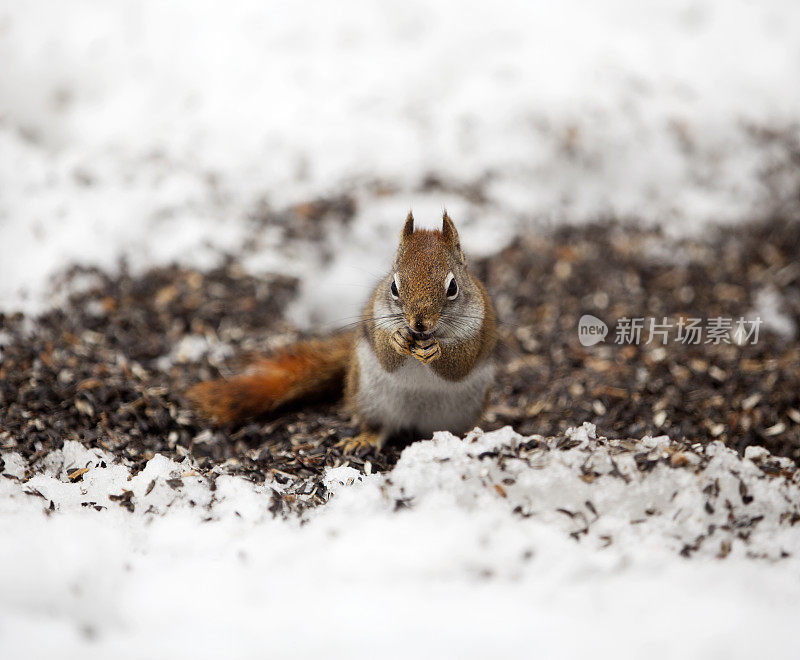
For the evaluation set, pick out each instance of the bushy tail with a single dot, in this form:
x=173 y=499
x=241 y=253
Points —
x=307 y=370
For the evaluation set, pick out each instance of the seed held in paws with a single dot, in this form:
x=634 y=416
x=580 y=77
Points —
x=426 y=351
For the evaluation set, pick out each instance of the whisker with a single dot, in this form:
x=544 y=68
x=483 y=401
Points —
x=497 y=320
x=378 y=320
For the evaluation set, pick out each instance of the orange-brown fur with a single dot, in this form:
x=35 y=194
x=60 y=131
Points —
x=308 y=370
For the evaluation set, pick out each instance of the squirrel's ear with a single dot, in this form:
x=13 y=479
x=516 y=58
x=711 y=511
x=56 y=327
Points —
x=408 y=228
x=450 y=235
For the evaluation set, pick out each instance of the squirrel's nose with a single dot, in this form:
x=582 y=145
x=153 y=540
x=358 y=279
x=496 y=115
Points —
x=421 y=323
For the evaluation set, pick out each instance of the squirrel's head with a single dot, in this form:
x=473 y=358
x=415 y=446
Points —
x=429 y=286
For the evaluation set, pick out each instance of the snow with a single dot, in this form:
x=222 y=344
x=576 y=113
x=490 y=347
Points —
x=192 y=348
x=154 y=131
x=432 y=558
x=770 y=309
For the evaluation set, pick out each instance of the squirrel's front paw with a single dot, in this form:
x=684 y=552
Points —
x=402 y=341
x=426 y=350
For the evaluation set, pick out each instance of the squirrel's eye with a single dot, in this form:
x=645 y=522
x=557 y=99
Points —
x=393 y=288
x=452 y=287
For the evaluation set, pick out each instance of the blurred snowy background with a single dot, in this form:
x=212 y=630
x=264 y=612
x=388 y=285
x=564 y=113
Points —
x=158 y=132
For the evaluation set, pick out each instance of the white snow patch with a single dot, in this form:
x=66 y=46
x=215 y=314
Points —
x=463 y=549
x=192 y=348
x=14 y=465
x=755 y=453
x=769 y=308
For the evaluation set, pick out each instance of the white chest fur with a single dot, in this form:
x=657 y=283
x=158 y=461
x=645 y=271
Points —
x=415 y=397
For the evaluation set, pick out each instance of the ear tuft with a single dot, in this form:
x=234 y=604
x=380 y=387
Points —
x=449 y=232
x=450 y=236
x=408 y=228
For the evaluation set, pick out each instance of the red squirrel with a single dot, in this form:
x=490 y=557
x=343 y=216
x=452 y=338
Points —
x=421 y=359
